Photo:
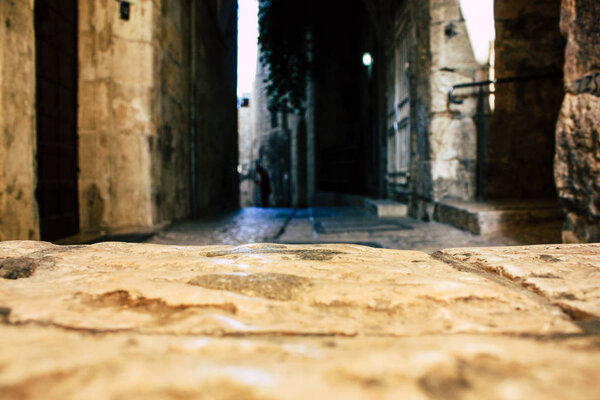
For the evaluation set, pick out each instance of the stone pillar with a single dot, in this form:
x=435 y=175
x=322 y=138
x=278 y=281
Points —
x=452 y=133
x=520 y=145
x=116 y=78
x=577 y=160
x=18 y=207
x=443 y=135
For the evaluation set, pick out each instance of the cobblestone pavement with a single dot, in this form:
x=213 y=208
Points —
x=246 y=225
x=340 y=225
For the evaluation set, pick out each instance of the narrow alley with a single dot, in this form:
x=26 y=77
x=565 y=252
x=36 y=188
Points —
x=355 y=225
x=299 y=199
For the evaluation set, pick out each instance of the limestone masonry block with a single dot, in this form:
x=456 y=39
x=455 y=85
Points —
x=445 y=11
x=18 y=206
x=450 y=46
x=134 y=64
x=576 y=162
x=567 y=275
x=453 y=138
x=268 y=289
x=131 y=207
x=442 y=81
x=129 y=321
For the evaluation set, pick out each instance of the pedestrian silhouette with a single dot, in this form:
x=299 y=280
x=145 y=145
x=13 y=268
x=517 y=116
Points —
x=264 y=184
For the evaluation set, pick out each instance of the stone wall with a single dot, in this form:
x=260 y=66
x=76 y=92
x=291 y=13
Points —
x=117 y=85
x=246 y=149
x=274 y=136
x=420 y=108
x=170 y=145
x=577 y=160
x=291 y=162
x=18 y=207
x=520 y=145
x=444 y=135
x=215 y=105
x=134 y=115
x=452 y=133
x=136 y=112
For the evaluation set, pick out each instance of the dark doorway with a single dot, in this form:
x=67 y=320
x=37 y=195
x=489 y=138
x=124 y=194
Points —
x=518 y=150
x=345 y=138
x=56 y=97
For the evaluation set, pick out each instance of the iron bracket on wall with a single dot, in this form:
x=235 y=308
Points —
x=481 y=137
x=496 y=82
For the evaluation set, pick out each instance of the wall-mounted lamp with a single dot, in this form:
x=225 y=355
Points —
x=367 y=59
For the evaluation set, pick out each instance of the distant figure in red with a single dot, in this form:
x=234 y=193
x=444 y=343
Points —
x=264 y=183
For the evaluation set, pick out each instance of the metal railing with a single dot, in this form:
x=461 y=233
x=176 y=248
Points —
x=481 y=129
x=498 y=81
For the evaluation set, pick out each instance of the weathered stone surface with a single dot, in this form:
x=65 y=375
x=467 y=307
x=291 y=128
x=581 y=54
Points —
x=386 y=207
x=260 y=289
x=576 y=165
x=134 y=115
x=42 y=363
x=499 y=216
x=443 y=164
x=116 y=74
x=567 y=275
x=269 y=321
x=579 y=24
x=172 y=112
x=452 y=133
x=18 y=206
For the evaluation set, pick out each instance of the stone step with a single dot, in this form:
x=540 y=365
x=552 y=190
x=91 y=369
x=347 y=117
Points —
x=386 y=207
x=495 y=217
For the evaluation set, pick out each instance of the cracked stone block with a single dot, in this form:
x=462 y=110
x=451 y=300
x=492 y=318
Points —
x=332 y=290
x=272 y=321
x=42 y=363
x=567 y=275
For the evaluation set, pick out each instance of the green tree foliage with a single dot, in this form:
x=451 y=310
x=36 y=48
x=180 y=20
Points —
x=283 y=41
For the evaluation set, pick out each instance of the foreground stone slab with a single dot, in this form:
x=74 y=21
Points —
x=266 y=289
x=567 y=275
x=124 y=321
x=52 y=363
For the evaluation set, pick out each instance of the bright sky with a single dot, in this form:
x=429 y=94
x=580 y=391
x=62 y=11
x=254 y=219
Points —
x=247 y=47
x=479 y=18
